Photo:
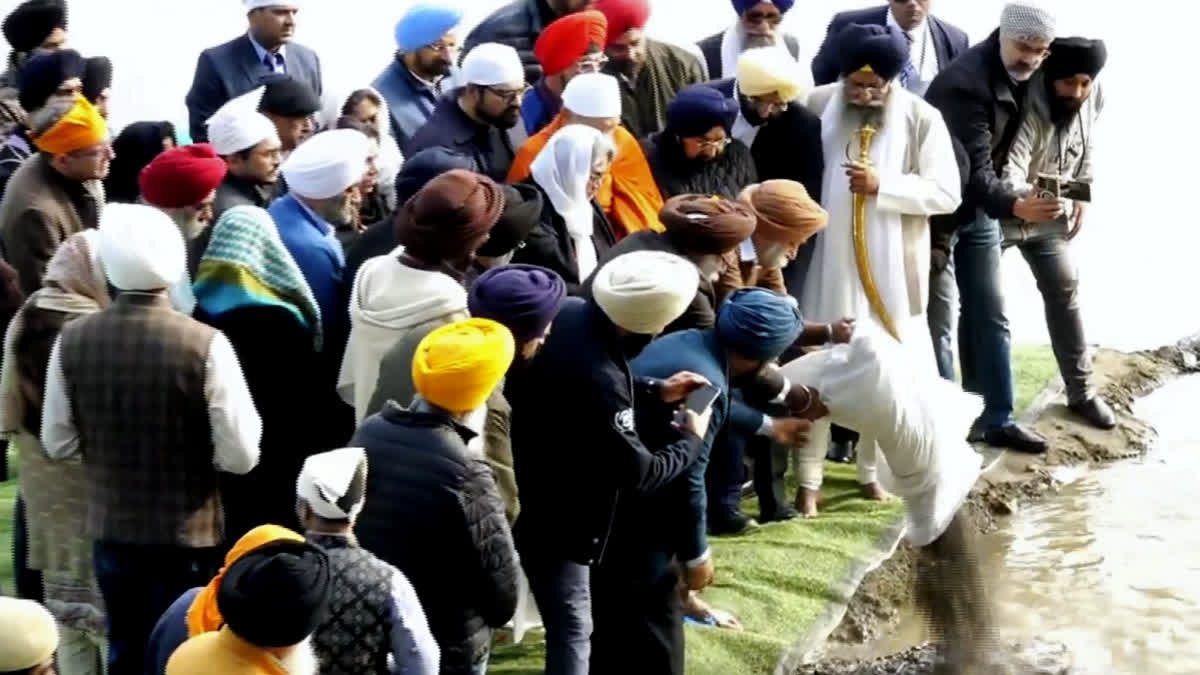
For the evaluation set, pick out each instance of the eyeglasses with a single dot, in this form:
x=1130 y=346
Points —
x=768 y=105
x=592 y=64
x=1027 y=49
x=756 y=17
x=509 y=96
x=447 y=47
x=705 y=144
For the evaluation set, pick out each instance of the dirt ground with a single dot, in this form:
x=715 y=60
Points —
x=1040 y=658
x=1015 y=481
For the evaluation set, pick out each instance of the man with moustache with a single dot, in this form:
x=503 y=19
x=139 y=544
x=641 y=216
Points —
x=476 y=119
x=518 y=25
x=758 y=25
x=1055 y=138
x=426 y=49
x=981 y=96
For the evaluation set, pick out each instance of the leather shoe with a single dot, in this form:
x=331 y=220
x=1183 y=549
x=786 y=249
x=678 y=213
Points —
x=780 y=514
x=1018 y=438
x=730 y=523
x=1095 y=412
x=841 y=452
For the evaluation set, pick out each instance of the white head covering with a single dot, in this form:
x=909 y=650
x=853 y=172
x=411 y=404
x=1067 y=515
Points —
x=767 y=70
x=1026 y=21
x=593 y=95
x=644 y=291
x=141 y=248
x=238 y=125
x=28 y=635
x=492 y=63
x=327 y=164
x=562 y=169
x=259 y=4
x=325 y=480
x=390 y=159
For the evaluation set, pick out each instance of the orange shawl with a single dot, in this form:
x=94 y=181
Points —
x=628 y=195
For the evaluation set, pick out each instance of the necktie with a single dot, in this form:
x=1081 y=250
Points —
x=273 y=62
x=908 y=76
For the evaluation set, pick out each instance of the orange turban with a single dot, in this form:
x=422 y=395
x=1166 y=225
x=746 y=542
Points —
x=204 y=616
x=82 y=127
x=786 y=214
x=457 y=366
x=566 y=40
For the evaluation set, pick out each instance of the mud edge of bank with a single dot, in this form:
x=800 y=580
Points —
x=1018 y=480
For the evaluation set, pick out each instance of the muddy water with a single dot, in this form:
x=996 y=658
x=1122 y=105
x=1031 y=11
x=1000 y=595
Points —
x=1110 y=566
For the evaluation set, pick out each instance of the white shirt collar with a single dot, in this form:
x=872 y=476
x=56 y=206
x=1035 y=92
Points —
x=262 y=51
x=916 y=33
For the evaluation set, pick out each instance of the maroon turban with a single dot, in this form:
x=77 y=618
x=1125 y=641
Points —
x=181 y=176
x=707 y=224
x=450 y=217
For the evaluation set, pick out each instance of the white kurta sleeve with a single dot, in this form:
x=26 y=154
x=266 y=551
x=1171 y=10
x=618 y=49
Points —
x=414 y=649
x=236 y=426
x=936 y=187
x=60 y=438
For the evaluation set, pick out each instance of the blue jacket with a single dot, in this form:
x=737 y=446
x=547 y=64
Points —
x=517 y=25
x=316 y=251
x=449 y=127
x=227 y=71
x=948 y=41
x=410 y=101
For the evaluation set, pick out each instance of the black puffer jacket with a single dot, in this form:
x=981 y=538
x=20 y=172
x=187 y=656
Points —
x=549 y=245
x=434 y=512
x=727 y=175
x=518 y=25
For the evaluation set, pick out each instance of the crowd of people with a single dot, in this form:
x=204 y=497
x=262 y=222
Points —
x=325 y=389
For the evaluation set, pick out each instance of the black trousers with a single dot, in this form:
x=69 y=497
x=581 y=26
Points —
x=842 y=434
x=637 y=627
x=28 y=582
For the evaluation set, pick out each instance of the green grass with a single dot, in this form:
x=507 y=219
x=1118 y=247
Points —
x=8 y=495
x=1034 y=368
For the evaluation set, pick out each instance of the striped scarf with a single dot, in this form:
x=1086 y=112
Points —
x=247 y=265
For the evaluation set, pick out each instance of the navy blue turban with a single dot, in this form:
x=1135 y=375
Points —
x=759 y=324
x=884 y=49
x=28 y=26
x=276 y=595
x=42 y=75
x=1071 y=56
x=523 y=298
x=740 y=6
x=697 y=109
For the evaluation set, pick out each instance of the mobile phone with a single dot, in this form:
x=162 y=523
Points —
x=702 y=399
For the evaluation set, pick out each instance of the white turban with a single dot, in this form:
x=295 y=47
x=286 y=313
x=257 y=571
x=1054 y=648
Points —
x=768 y=70
x=141 y=248
x=238 y=125
x=327 y=164
x=593 y=95
x=259 y=4
x=1026 y=21
x=325 y=482
x=644 y=291
x=492 y=63
x=28 y=635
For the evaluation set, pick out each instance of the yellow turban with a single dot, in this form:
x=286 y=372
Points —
x=82 y=127
x=456 y=367
x=769 y=70
x=203 y=616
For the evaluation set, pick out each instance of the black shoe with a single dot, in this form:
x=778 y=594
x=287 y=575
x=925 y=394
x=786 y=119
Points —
x=780 y=514
x=1017 y=438
x=730 y=523
x=841 y=452
x=1095 y=412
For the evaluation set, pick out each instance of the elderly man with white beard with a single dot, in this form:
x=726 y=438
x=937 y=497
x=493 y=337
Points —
x=902 y=171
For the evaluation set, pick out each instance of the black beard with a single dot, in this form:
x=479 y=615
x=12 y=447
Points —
x=633 y=344
x=623 y=67
x=750 y=112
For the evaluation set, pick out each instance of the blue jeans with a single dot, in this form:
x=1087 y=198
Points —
x=943 y=305
x=563 y=593
x=984 y=341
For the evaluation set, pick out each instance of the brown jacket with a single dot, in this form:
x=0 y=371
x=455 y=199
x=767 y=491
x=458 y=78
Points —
x=42 y=208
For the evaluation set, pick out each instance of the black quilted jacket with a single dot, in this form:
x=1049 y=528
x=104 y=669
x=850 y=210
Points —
x=727 y=175
x=434 y=512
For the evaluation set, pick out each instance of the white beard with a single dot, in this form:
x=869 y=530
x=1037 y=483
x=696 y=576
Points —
x=302 y=660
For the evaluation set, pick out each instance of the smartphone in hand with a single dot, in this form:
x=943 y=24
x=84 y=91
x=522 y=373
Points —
x=702 y=399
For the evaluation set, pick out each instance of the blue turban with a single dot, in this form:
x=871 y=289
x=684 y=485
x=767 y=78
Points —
x=425 y=24
x=522 y=298
x=759 y=324
x=740 y=6
x=42 y=75
x=697 y=109
x=884 y=49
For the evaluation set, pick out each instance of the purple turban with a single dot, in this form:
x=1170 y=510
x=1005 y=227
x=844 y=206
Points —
x=740 y=6
x=523 y=298
x=884 y=49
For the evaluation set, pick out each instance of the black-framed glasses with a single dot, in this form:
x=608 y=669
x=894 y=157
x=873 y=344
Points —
x=509 y=96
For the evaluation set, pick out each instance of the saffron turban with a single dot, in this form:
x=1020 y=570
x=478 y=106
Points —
x=277 y=594
x=759 y=324
x=28 y=635
x=286 y=96
x=525 y=298
x=705 y=224
x=238 y=126
x=740 y=6
x=698 y=108
x=182 y=176
x=644 y=291
x=327 y=164
x=1026 y=21
x=43 y=74
x=457 y=366
x=97 y=76
x=82 y=127
x=425 y=23
x=623 y=16
x=768 y=70
x=522 y=212
x=204 y=616
x=450 y=217
x=785 y=212
x=492 y=63
x=567 y=39
x=334 y=483
x=28 y=26
x=593 y=95
x=1071 y=56
x=883 y=49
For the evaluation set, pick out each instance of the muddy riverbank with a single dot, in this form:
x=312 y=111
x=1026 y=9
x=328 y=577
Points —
x=881 y=610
